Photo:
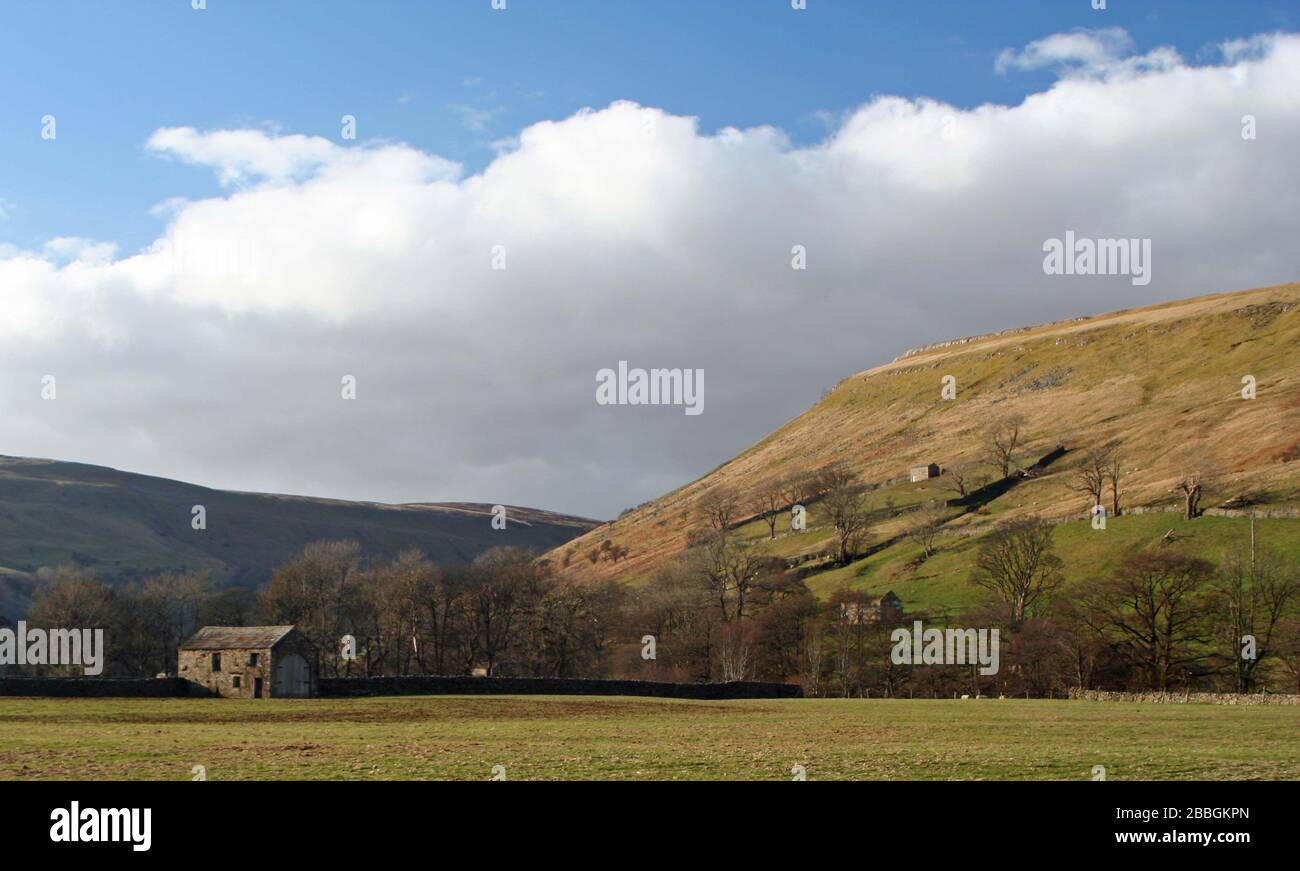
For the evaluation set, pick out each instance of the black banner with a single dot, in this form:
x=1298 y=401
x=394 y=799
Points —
x=365 y=820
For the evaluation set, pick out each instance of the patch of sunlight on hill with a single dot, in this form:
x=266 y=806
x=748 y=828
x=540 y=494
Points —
x=1163 y=381
x=942 y=582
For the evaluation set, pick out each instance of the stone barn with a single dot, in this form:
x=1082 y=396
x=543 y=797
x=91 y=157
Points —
x=922 y=473
x=879 y=609
x=250 y=662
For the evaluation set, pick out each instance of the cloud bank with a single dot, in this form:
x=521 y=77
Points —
x=626 y=233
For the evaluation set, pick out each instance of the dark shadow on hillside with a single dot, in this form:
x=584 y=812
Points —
x=973 y=501
x=977 y=499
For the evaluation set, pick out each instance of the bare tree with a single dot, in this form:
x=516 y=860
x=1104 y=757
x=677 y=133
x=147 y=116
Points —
x=1150 y=611
x=317 y=590
x=727 y=569
x=504 y=584
x=772 y=504
x=1001 y=440
x=735 y=654
x=800 y=488
x=814 y=655
x=1090 y=476
x=1249 y=598
x=958 y=480
x=1192 y=487
x=1016 y=565
x=842 y=501
x=719 y=508
x=75 y=598
x=925 y=525
x=399 y=594
x=1114 y=472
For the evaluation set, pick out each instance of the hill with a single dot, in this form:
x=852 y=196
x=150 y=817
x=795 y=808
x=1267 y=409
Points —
x=123 y=526
x=1165 y=382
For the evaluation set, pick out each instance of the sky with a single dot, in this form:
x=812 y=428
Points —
x=196 y=251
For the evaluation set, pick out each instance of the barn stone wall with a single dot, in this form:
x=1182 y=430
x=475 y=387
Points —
x=196 y=666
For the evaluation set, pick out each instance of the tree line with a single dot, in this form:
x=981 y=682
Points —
x=724 y=610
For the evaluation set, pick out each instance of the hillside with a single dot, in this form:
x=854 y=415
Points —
x=123 y=525
x=1164 y=382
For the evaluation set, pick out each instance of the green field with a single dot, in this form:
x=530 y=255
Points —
x=943 y=582
x=550 y=738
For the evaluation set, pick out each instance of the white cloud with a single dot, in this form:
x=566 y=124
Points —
x=79 y=250
x=1086 y=52
x=629 y=235
x=245 y=155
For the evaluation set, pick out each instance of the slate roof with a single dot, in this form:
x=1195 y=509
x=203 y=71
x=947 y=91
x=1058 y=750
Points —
x=235 y=637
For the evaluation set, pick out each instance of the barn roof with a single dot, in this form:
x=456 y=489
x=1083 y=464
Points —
x=235 y=637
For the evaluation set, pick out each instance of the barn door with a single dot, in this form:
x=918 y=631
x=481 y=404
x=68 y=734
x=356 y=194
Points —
x=292 y=677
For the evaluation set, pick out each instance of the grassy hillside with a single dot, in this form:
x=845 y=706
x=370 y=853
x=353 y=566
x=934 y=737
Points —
x=1165 y=381
x=123 y=525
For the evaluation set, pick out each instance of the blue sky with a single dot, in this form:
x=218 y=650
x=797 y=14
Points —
x=453 y=76
x=293 y=258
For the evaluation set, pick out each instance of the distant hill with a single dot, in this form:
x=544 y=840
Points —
x=124 y=526
x=1164 y=381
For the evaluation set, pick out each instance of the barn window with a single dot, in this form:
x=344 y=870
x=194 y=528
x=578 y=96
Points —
x=235 y=681
x=252 y=659
x=216 y=662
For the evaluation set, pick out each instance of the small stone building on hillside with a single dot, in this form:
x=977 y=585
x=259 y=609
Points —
x=879 y=609
x=922 y=473
x=250 y=662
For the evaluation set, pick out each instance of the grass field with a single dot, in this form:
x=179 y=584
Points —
x=548 y=738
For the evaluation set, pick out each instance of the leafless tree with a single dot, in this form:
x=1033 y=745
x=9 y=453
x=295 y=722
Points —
x=772 y=504
x=1191 y=486
x=1001 y=440
x=925 y=525
x=1251 y=597
x=958 y=480
x=735 y=655
x=719 y=508
x=842 y=501
x=800 y=488
x=317 y=590
x=503 y=585
x=726 y=568
x=75 y=598
x=1091 y=474
x=399 y=593
x=1016 y=564
x=814 y=655
x=1115 y=471
x=1150 y=611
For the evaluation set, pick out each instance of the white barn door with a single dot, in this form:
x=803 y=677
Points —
x=292 y=677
